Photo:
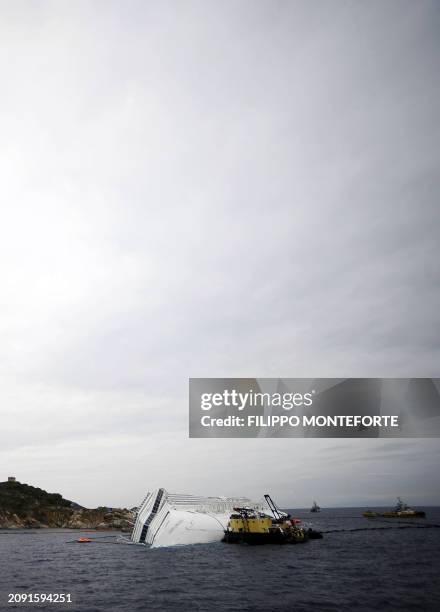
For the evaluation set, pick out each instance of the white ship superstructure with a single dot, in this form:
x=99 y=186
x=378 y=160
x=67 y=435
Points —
x=171 y=519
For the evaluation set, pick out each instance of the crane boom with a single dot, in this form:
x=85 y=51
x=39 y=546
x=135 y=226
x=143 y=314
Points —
x=274 y=508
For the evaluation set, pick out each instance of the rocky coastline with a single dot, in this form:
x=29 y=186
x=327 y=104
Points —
x=25 y=507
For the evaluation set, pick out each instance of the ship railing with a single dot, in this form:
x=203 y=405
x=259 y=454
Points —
x=212 y=508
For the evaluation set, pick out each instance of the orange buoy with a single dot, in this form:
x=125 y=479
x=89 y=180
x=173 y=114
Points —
x=82 y=540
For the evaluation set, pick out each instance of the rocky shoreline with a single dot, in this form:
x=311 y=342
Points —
x=26 y=507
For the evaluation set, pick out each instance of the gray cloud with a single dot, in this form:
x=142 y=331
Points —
x=211 y=189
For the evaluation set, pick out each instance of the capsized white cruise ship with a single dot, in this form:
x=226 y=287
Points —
x=172 y=519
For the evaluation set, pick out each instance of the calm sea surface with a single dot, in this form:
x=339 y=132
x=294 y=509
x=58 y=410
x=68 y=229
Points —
x=389 y=569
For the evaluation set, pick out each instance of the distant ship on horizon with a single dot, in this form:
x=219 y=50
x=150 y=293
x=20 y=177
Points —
x=401 y=510
x=315 y=507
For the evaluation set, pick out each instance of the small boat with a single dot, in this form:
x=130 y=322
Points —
x=83 y=540
x=401 y=510
x=315 y=508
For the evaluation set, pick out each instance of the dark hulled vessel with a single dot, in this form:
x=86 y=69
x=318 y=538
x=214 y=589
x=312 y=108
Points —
x=401 y=510
x=247 y=526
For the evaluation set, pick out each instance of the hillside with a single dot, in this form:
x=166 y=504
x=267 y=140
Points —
x=24 y=506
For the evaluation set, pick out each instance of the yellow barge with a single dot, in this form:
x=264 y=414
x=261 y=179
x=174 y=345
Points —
x=247 y=526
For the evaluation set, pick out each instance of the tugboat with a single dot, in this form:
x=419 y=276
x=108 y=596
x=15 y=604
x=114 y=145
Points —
x=401 y=510
x=247 y=526
x=315 y=508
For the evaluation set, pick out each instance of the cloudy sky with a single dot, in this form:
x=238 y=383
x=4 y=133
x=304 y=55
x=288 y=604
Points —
x=213 y=189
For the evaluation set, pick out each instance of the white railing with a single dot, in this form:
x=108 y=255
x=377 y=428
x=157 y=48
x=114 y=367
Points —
x=190 y=503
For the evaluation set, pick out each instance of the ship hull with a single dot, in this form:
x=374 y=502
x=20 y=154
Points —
x=415 y=514
x=254 y=539
x=273 y=537
x=165 y=519
x=400 y=515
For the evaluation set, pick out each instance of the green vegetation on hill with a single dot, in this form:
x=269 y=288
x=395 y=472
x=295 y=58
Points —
x=21 y=499
x=22 y=505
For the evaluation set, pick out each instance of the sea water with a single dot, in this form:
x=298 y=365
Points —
x=370 y=569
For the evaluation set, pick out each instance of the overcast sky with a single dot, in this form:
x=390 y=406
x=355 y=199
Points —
x=213 y=189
